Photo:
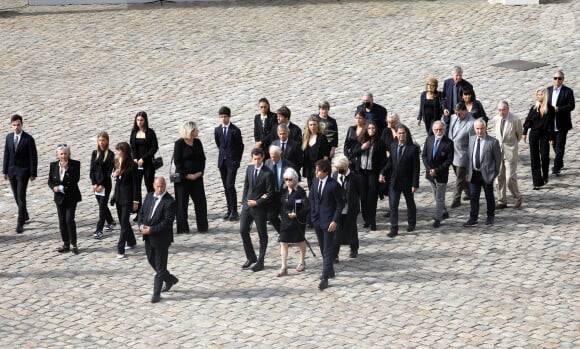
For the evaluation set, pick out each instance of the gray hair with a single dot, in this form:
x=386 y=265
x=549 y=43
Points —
x=283 y=127
x=186 y=129
x=291 y=173
x=370 y=95
x=457 y=69
x=505 y=103
x=61 y=147
x=438 y=123
x=480 y=121
x=276 y=149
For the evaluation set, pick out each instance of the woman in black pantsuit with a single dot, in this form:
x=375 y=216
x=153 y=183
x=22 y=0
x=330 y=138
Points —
x=102 y=163
x=189 y=160
x=63 y=179
x=315 y=147
x=540 y=122
x=144 y=145
x=127 y=196
x=294 y=214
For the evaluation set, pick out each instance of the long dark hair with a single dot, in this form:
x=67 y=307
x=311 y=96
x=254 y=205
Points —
x=365 y=137
x=127 y=162
x=145 y=125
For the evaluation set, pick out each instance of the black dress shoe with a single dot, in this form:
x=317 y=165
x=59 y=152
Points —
x=156 y=298
x=393 y=233
x=75 y=250
x=387 y=214
x=489 y=221
x=227 y=216
x=436 y=223
x=353 y=254
x=366 y=225
x=63 y=249
x=455 y=203
x=19 y=228
x=336 y=260
x=234 y=218
x=258 y=266
x=169 y=284
x=323 y=284
x=248 y=263
x=373 y=227
x=411 y=228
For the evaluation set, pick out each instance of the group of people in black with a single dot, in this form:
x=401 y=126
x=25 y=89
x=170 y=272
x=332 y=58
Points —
x=380 y=159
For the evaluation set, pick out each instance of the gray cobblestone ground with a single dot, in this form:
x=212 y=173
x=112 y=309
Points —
x=73 y=71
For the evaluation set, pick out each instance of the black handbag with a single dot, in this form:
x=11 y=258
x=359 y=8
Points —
x=158 y=163
x=174 y=177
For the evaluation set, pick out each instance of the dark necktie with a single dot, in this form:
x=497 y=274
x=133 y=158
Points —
x=455 y=95
x=435 y=148
x=283 y=147
x=477 y=156
x=277 y=176
x=399 y=152
x=319 y=189
x=16 y=139
x=342 y=180
x=255 y=176
x=155 y=198
x=225 y=133
x=502 y=125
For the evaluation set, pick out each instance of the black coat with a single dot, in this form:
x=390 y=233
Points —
x=347 y=232
x=70 y=182
x=442 y=160
x=161 y=223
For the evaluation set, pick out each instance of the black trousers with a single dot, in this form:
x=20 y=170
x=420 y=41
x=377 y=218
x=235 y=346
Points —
x=185 y=190
x=274 y=211
x=559 y=148
x=147 y=175
x=539 y=158
x=104 y=212
x=325 y=241
x=258 y=215
x=369 y=196
x=157 y=258
x=66 y=223
x=395 y=197
x=19 y=186
x=228 y=175
x=475 y=185
x=126 y=235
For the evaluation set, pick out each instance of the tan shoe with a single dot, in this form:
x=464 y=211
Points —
x=518 y=203
x=300 y=267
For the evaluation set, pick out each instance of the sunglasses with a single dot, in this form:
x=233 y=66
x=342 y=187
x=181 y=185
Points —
x=558 y=78
x=288 y=179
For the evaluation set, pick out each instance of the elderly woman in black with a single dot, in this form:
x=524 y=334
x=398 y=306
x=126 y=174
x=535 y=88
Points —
x=315 y=147
x=294 y=214
x=144 y=145
x=63 y=180
x=540 y=123
x=102 y=163
x=189 y=160
x=369 y=158
x=127 y=196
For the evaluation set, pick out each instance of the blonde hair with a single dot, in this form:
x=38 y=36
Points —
x=186 y=129
x=104 y=135
x=307 y=133
x=544 y=104
x=431 y=80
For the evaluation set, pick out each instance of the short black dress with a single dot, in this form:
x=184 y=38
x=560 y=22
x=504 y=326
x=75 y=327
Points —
x=292 y=229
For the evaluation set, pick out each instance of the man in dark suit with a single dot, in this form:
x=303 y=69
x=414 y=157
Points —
x=19 y=166
x=228 y=139
x=326 y=204
x=373 y=112
x=482 y=169
x=291 y=150
x=258 y=194
x=437 y=157
x=404 y=166
x=562 y=99
x=294 y=131
x=264 y=123
x=278 y=166
x=156 y=224
x=347 y=230
x=452 y=90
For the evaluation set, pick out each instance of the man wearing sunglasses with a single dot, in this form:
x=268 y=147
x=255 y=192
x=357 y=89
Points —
x=562 y=99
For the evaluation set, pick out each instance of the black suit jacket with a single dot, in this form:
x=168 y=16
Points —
x=447 y=100
x=292 y=153
x=127 y=190
x=161 y=223
x=262 y=191
x=294 y=133
x=230 y=149
x=404 y=171
x=70 y=182
x=24 y=161
x=565 y=104
x=442 y=160
x=378 y=157
x=328 y=207
x=101 y=169
x=264 y=133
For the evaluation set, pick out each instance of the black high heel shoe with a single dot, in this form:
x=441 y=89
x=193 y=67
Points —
x=63 y=249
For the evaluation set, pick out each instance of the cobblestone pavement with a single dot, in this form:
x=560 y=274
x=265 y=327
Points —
x=73 y=71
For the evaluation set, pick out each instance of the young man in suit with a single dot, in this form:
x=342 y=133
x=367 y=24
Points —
x=452 y=91
x=155 y=219
x=482 y=168
x=228 y=139
x=291 y=150
x=562 y=99
x=278 y=166
x=437 y=157
x=258 y=194
x=404 y=167
x=264 y=123
x=326 y=204
x=19 y=166
x=508 y=130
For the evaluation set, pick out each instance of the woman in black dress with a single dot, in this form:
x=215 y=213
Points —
x=144 y=145
x=315 y=147
x=189 y=160
x=430 y=108
x=102 y=163
x=63 y=179
x=294 y=215
x=540 y=122
x=353 y=133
